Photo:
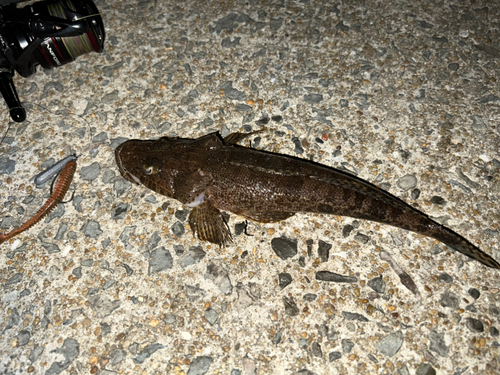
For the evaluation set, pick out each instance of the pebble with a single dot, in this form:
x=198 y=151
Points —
x=425 y=369
x=90 y=172
x=444 y=277
x=490 y=98
x=335 y=277
x=354 y=316
x=324 y=250
x=316 y=349
x=333 y=356
x=284 y=247
x=438 y=200
x=284 y=279
x=313 y=98
x=449 y=299
x=474 y=325
x=407 y=182
x=361 y=238
x=92 y=229
x=347 y=346
x=192 y=256
x=147 y=352
x=437 y=344
x=159 y=260
x=7 y=166
x=494 y=310
x=231 y=93
x=103 y=306
x=178 y=229
x=181 y=214
x=70 y=349
x=14 y=279
x=377 y=284
x=291 y=308
x=211 y=316
x=219 y=276
x=200 y=365
x=390 y=344
x=120 y=211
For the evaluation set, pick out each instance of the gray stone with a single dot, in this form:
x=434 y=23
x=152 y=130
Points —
x=316 y=349
x=313 y=98
x=101 y=137
x=13 y=319
x=291 y=308
x=437 y=344
x=347 y=345
x=147 y=352
x=23 y=337
x=69 y=350
x=90 y=172
x=474 y=325
x=335 y=277
x=178 y=229
x=77 y=272
x=181 y=214
x=200 y=365
x=219 y=276
x=438 y=200
x=192 y=256
x=116 y=356
x=284 y=247
x=110 y=98
x=450 y=299
x=284 y=279
x=361 y=238
x=490 y=98
x=390 y=344
x=354 y=316
x=407 y=182
x=225 y=23
x=333 y=356
x=7 y=166
x=444 y=277
x=377 y=284
x=120 y=211
x=92 y=229
x=160 y=259
x=425 y=369
x=103 y=306
x=211 y=315
x=35 y=353
x=276 y=23
x=14 y=279
x=232 y=93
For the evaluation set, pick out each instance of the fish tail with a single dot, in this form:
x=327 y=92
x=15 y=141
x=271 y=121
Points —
x=460 y=244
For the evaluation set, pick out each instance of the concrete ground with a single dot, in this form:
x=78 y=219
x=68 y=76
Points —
x=404 y=94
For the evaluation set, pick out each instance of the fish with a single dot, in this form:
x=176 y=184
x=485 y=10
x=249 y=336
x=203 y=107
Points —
x=212 y=173
x=60 y=189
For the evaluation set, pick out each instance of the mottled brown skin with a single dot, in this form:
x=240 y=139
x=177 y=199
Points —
x=265 y=187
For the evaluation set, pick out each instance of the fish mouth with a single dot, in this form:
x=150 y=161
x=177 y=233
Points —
x=121 y=167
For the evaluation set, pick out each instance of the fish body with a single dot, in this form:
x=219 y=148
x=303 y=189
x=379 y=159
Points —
x=210 y=174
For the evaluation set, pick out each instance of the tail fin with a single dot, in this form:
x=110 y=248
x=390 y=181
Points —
x=460 y=244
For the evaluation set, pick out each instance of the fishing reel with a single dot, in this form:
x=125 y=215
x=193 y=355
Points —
x=47 y=33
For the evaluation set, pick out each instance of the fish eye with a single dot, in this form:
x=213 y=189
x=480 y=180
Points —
x=149 y=169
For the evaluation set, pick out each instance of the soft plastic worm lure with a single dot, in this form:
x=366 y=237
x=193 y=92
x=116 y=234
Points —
x=60 y=188
x=47 y=174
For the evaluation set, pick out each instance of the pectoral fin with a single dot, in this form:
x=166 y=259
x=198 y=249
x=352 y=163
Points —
x=234 y=138
x=208 y=224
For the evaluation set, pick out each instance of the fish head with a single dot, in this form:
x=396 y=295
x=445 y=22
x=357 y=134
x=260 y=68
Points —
x=151 y=163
